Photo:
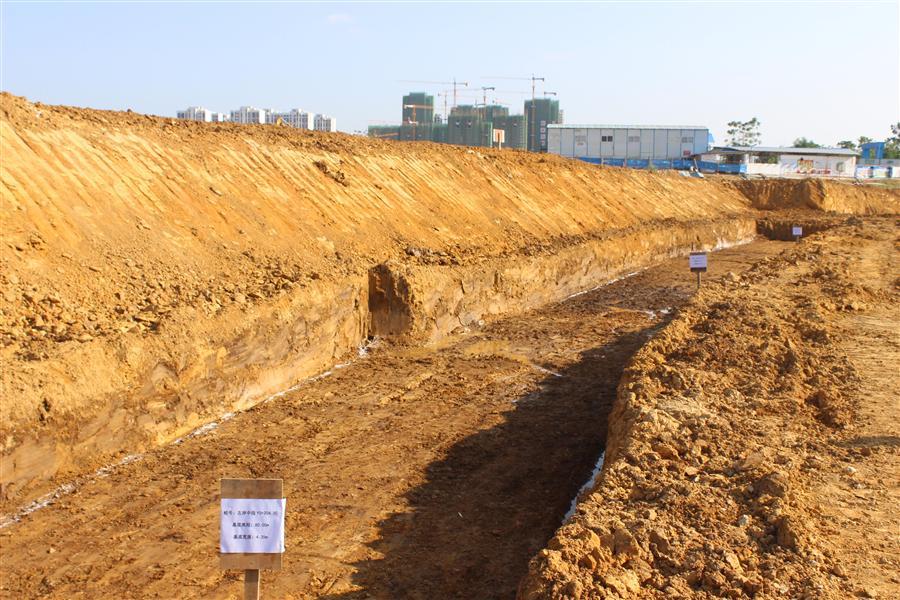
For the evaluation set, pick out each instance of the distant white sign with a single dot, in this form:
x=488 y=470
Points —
x=251 y=525
x=796 y=230
x=697 y=261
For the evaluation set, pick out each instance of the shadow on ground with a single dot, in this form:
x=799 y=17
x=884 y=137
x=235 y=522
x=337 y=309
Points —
x=499 y=495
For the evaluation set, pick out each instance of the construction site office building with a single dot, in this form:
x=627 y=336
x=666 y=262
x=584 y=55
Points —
x=627 y=142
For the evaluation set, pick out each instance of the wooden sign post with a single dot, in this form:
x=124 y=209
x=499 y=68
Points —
x=797 y=232
x=697 y=262
x=251 y=528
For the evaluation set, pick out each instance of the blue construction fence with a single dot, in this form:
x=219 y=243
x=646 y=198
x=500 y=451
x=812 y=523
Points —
x=680 y=163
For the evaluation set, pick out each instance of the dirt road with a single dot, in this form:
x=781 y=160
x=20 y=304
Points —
x=410 y=473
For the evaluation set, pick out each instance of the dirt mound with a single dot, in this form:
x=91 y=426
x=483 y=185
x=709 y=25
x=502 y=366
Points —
x=158 y=273
x=722 y=425
x=819 y=194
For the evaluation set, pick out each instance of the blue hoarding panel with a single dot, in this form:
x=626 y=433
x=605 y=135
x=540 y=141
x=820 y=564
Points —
x=683 y=164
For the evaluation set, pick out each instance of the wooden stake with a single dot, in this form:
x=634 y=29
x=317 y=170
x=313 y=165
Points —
x=698 y=280
x=251 y=584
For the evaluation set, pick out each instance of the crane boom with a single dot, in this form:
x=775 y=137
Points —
x=454 y=83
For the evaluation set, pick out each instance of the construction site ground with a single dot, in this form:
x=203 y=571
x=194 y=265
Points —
x=413 y=472
x=433 y=346
x=753 y=448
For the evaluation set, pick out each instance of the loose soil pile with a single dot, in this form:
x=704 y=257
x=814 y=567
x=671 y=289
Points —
x=738 y=430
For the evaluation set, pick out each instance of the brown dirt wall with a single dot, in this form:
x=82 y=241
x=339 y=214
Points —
x=158 y=273
x=818 y=194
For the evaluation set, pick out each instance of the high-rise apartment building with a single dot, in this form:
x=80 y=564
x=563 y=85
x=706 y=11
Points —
x=539 y=113
x=299 y=119
x=324 y=123
x=195 y=113
x=249 y=114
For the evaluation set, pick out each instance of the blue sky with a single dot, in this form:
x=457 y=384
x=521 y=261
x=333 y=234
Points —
x=826 y=71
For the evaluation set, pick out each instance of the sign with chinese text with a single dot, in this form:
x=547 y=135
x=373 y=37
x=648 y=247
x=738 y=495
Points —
x=253 y=525
x=697 y=262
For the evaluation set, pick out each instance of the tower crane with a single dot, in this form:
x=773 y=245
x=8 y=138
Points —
x=414 y=122
x=484 y=91
x=445 y=94
x=454 y=83
x=534 y=80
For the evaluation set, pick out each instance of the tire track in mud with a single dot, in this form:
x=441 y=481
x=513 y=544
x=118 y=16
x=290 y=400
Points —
x=422 y=472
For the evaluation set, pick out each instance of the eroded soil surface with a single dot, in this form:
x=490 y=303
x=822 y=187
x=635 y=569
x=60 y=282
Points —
x=753 y=448
x=410 y=473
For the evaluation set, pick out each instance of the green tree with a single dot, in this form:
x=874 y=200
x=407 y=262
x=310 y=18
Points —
x=802 y=142
x=892 y=144
x=848 y=144
x=863 y=140
x=743 y=133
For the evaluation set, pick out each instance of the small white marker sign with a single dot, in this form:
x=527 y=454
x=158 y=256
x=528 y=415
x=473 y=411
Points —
x=796 y=231
x=697 y=261
x=252 y=525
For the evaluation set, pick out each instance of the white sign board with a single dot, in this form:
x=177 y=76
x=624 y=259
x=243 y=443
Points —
x=252 y=525
x=697 y=261
x=796 y=230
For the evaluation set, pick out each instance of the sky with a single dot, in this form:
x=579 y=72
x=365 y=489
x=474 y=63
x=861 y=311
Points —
x=827 y=71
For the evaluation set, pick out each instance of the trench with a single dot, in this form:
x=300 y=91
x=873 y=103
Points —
x=424 y=471
x=278 y=346
x=496 y=497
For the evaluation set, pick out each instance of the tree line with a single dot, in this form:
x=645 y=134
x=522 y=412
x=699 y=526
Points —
x=746 y=133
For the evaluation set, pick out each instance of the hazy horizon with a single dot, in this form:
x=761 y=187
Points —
x=828 y=71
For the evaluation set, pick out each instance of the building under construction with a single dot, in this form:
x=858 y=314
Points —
x=540 y=112
x=471 y=124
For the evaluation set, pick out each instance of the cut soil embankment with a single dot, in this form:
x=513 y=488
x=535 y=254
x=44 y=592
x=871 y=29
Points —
x=159 y=273
x=816 y=194
x=736 y=452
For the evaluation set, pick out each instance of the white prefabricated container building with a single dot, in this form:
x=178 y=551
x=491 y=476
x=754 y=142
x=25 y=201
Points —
x=786 y=161
x=658 y=142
